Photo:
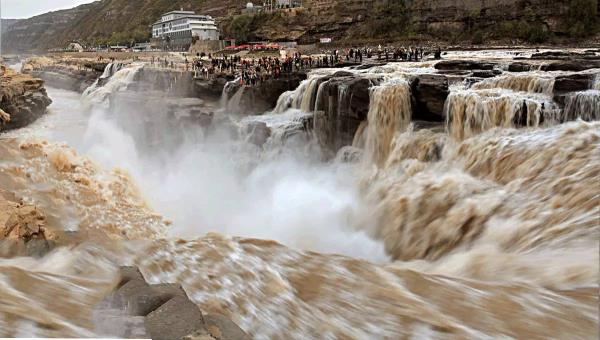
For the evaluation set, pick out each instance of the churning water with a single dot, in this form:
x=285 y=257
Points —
x=426 y=231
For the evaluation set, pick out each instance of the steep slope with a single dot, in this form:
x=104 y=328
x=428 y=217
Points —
x=43 y=31
x=6 y=23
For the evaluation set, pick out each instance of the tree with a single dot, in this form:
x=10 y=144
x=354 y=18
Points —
x=582 y=17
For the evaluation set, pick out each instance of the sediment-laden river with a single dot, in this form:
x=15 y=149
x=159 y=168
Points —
x=483 y=225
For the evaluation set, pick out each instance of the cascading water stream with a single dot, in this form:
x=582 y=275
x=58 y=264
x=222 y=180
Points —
x=116 y=82
x=582 y=105
x=534 y=82
x=469 y=112
x=389 y=114
x=109 y=71
x=301 y=98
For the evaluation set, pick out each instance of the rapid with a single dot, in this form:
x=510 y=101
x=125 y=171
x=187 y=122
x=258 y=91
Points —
x=485 y=225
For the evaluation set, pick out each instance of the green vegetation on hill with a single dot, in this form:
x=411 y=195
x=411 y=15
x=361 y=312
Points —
x=123 y=22
x=582 y=18
x=452 y=21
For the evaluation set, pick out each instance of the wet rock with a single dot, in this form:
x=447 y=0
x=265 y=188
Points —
x=263 y=97
x=161 y=311
x=369 y=65
x=573 y=82
x=221 y=328
x=571 y=65
x=211 y=88
x=463 y=65
x=23 y=230
x=176 y=319
x=142 y=298
x=343 y=104
x=173 y=83
x=558 y=55
x=486 y=73
x=519 y=67
x=565 y=85
x=19 y=221
x=430 y=92
x=97 y=66
x=258 y=133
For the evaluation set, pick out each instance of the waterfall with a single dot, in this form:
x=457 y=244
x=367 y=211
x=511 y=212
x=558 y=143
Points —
x=306 y=105
x=118 y=81
x=232 y=104
x=532 y=83
x=596 y=83
x=285 y=101
x=111 y=69
x=320 y=90
x=582 y=105
x=227 y=89
x=389 y=113
x=301 y=98
x=470 y=112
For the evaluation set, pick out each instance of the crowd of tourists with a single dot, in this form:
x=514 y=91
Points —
x=252 y=71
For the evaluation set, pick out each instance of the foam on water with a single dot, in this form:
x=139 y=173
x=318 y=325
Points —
x=432 y=227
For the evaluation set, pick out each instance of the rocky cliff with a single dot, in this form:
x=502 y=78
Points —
x=23 y=99
x=120 y=21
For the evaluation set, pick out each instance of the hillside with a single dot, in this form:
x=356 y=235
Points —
x=124 y=21
x=6 y=23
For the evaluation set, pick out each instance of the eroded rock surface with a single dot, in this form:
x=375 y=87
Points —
x=23 y=99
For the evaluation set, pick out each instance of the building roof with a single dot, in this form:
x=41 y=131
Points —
x=180 y=12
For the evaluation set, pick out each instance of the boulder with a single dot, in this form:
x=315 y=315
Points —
x=519 y=67
x=571 y=65
x=430 y=92
x=140 y=298
x=573 y=83
x=174 y=320
x=486 y=73
x=570 y=83
x=464 y=65
x=258 y=133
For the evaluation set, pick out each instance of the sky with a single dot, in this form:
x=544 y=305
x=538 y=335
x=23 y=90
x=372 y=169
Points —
x=20 y=9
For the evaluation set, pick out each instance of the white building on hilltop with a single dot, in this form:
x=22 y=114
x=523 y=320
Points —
x=178 y=28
